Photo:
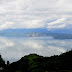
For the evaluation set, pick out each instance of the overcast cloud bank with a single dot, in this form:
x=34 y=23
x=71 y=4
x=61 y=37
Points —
x=50 y=14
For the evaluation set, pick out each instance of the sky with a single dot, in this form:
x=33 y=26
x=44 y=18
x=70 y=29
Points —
x=12 y=49
x=49 y=14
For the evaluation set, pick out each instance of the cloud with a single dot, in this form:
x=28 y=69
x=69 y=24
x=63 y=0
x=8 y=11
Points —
x=5 y=43
x=6 y=25
x=59 y=23
x=35 y=13
x=9 y=47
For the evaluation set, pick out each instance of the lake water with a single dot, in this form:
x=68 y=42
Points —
x=12 y=48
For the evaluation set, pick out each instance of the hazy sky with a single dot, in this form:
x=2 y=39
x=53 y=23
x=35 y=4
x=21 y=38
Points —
x=13 y=49
x=50 y=14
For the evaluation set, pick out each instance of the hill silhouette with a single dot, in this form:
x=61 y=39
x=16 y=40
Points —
x=36 y=63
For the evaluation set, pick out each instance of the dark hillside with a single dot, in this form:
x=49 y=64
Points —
x=36 y=63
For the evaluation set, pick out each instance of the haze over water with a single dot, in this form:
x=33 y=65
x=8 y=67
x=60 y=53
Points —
x=12 y=48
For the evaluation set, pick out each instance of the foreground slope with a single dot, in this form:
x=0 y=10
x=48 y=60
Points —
x=36 y=63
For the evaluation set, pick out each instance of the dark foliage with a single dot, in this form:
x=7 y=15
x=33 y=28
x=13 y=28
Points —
x=36 y=63
x=2 y=62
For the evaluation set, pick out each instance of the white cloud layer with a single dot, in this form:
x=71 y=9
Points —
x=10 y=47
x=50 y=14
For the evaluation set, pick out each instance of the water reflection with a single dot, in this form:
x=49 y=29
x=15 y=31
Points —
x=13 y=49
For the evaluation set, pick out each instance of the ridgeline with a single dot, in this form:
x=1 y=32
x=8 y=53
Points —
x=36 y=63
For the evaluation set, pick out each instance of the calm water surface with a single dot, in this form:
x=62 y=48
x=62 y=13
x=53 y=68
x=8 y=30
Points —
x=12 y=48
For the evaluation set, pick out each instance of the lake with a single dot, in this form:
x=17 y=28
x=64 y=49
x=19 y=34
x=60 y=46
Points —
x=13 y=48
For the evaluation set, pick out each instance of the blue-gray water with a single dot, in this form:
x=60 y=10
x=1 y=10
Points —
x=12 y=48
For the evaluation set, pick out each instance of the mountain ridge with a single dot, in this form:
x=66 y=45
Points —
x=25 y=30
x=37 y=63
x=41 y=30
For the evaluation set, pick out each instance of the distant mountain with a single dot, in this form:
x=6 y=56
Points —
x=62 y=31
x=40 y=30
x=44 y=30
x=36 y=32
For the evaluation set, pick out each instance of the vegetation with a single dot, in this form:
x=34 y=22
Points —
x=2 y=64
x=36 y=63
